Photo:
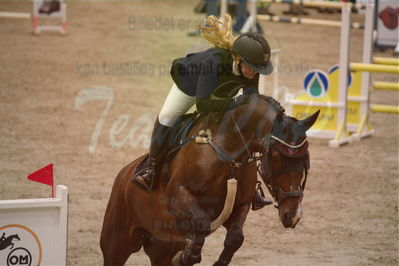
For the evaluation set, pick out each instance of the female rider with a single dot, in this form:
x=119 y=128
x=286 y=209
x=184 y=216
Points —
x=197 y=75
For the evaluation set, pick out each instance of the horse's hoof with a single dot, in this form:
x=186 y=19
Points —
x=219 y=263
x=176 y=259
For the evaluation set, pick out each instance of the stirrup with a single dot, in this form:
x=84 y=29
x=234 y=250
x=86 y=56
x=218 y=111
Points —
x=259 y=201
x=141 y=182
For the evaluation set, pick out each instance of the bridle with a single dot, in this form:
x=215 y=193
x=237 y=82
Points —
x=296 y=151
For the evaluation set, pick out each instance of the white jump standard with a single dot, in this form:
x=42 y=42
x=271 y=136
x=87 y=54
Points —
x=348 y=93
x=35 y=16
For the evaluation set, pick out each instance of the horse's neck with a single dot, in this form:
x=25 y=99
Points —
x=238 y=127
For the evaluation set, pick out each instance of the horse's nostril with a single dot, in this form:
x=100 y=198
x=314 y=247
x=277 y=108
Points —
x=287 y=220
x=287 y=217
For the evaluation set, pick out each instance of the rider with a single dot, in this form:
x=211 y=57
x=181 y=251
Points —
x=196 y=77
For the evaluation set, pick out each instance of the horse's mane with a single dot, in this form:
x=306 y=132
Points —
x=270 y=100
x=274 y=103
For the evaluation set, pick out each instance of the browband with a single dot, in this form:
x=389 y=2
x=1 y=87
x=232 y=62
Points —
x=288 y=145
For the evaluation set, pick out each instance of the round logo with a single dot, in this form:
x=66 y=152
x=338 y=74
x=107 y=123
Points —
x=316 y=83
x=335 y=69
x=19 y=245
x=19 y=256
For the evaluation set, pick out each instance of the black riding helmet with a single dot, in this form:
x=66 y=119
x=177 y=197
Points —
x=254 y=51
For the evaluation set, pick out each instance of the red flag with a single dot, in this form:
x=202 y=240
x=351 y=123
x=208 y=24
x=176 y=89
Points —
x=44 y=176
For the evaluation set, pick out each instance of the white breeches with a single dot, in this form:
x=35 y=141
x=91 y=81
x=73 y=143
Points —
x=177 y=103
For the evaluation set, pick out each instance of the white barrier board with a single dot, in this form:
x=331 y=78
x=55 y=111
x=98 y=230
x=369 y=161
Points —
x=34 y=231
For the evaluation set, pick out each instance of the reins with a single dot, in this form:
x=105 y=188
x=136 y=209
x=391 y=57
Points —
x=226 y=157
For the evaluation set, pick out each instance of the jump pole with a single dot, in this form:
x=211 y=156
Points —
x=250 y=24
x=310 y=21
x=367 y=67
x=15 y=15
x=386 y=61
x=309 y=3
x=390 y=86
x=381 y=108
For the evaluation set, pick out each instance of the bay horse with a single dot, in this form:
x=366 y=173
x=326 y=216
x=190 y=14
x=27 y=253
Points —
x=172 y=221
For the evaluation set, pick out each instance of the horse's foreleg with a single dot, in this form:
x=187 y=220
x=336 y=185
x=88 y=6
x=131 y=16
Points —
x=192 y=222
x=117 y=245
x=235 y=236
x=161 y=252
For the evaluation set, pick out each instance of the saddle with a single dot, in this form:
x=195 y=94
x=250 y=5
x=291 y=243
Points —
x=178 y=137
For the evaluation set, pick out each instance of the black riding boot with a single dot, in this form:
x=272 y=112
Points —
x=159 y=145
x=259 y=201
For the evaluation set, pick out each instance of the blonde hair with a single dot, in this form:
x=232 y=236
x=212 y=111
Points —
x=218 y=32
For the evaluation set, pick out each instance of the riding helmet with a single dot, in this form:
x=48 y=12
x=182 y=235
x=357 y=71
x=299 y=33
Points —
x=254 y=50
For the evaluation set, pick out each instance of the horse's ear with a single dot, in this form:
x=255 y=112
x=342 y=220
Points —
x=308 y=122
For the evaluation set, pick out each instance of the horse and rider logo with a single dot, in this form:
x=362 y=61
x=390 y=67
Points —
x=19 y=245
x=6 y=242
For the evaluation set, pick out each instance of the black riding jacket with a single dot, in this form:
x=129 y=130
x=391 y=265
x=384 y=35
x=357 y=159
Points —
x=208 y=76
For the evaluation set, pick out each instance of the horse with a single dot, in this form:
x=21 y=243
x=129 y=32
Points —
x=172 y=221
x=7 y=241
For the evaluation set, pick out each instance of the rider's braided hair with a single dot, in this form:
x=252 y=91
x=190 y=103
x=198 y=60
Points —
x=218 y=32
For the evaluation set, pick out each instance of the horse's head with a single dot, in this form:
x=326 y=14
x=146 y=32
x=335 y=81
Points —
x=285 y=166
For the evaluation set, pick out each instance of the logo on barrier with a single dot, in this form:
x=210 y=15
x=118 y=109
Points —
x=336 y=69
x=19 y=245
x=316 y=83
x=389 y=17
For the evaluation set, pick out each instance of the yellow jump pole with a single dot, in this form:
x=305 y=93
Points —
x=390 y=86
x=386 y=61
x=362 y=67
x=380 y=108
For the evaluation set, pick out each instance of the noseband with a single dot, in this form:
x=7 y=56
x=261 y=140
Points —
x=295 y=151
